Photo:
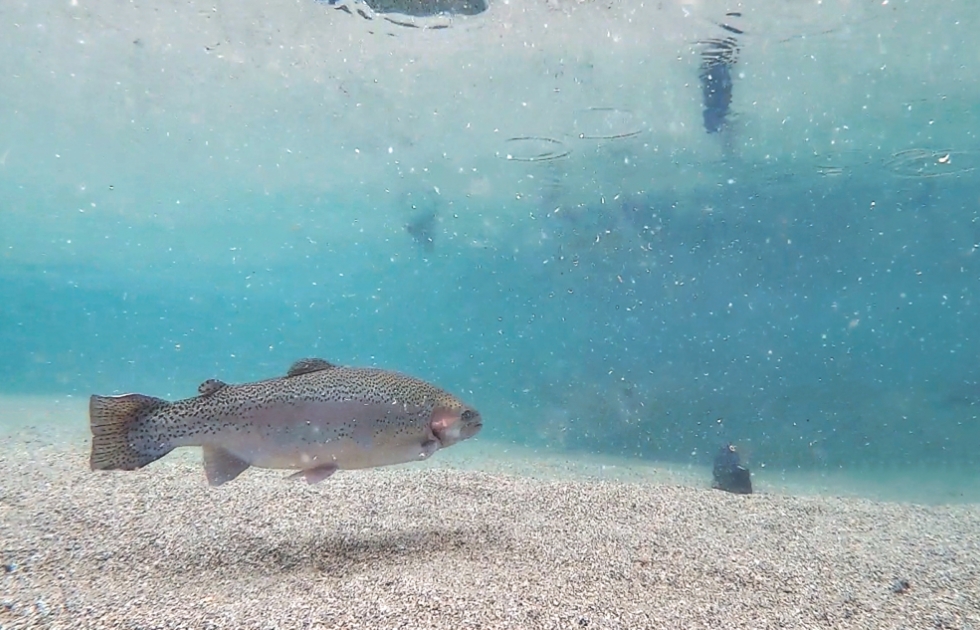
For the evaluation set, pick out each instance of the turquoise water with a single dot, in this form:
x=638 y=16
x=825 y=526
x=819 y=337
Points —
x=803 y=284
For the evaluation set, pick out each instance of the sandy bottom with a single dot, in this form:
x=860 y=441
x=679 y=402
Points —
x=456 y=544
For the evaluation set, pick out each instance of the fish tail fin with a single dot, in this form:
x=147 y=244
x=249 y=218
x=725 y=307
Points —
x=113 y=447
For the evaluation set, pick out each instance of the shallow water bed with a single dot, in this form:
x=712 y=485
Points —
x=443 y=548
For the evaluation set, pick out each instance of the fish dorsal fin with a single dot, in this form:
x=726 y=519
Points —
x=305 y=366
x=210 y=386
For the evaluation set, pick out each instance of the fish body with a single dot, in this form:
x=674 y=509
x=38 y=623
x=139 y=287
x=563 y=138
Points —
x=318 y=419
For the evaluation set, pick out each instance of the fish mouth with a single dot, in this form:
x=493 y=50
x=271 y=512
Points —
x=469 y=430
x=471 y=422
x=464 y=426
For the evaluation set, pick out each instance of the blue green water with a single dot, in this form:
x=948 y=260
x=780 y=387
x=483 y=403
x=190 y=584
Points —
x=819 y=318
x=816 y=334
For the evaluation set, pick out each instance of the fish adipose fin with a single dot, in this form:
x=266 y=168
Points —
x=220 y=466
x=315 y=475
x=305 y=366
x=110 y=419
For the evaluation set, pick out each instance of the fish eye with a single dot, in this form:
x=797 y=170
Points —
x=467 y=415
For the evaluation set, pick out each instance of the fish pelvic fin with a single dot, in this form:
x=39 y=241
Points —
x=315 y=474
x=221 y=466
x=111 y=419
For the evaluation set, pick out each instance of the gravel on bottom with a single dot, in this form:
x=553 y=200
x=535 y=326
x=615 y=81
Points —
x=417 y=547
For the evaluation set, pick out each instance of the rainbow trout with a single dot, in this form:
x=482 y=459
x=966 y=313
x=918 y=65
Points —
x=317 y=419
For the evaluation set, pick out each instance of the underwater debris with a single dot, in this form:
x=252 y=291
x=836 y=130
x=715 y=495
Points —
x=433 y=27
x=606 y=123
x=900 y=586
x=829 y=170
x=422 y=229
x=729 y=474
x=929 y=163
x=534 y=149
x=715 y=73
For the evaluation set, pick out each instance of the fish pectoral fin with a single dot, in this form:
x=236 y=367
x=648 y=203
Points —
x=221 y=466
x=315 y=475
x=429 y=448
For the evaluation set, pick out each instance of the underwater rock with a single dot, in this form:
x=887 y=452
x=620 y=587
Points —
x=729 y=474
x=900 y=586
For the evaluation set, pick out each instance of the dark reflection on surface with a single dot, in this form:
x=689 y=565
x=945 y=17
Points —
x=417 y=8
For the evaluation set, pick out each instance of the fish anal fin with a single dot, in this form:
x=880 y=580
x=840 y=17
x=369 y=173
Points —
x=305 y=366
x=110 y=420
x=210 y=386
x=315 y=475
x=221 y=466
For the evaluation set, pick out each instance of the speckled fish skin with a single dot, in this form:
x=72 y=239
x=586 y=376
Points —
x=318 y=419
